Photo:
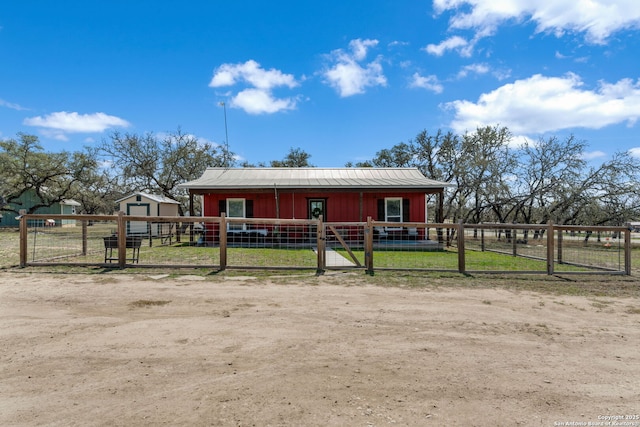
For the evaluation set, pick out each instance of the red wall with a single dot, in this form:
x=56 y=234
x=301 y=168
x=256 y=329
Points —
x=341 y=206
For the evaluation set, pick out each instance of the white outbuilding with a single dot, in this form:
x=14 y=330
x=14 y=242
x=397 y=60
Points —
x=144 y=204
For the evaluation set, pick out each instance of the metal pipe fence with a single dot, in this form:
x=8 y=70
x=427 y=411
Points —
x=120 y=241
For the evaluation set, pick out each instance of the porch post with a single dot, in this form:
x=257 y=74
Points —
x=275 y=190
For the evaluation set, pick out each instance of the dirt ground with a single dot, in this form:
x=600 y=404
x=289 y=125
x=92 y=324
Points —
x=152 y=350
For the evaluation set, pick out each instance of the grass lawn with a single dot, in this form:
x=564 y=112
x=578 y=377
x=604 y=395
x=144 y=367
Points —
x=272 y=257
x=9 y=248
x=448 y=260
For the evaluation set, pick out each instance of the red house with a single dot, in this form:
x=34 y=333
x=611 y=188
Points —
x=339 y=194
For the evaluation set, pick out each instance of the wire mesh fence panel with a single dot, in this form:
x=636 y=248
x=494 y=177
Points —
x=74 y=242
x=603 y=250
x=9 y=247
x=175 y=243
x=413 y=246
x=274 y=244
x=498 y=247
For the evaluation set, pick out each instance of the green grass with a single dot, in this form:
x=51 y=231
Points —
x=179 y=254
x=268 y=257
x=9 y=247
x=249 y=257
x=448 y=260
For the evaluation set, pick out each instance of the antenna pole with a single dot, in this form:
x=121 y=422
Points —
x=226 y=136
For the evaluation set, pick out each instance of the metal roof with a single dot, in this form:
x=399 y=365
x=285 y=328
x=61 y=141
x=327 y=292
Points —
x=361 y=178
x=158 y=198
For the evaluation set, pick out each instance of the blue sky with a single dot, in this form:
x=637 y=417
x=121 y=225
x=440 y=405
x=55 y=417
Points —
x=339 y=79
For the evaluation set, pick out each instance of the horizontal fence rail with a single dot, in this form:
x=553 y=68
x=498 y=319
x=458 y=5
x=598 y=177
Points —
x=121 y=241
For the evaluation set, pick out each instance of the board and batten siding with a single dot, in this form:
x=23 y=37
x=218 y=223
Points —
x=341 y=206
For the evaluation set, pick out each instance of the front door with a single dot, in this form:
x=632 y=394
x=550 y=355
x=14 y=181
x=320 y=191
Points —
x=317 y=208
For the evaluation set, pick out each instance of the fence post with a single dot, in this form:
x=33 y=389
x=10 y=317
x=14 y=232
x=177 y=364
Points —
x=23 y=241
x=223 y=241
x=560 y=237
x=482 y=239
x=627 y=251
x=368 y=246
x=122 y=240
x=550 y=251
x=84 y=237
x=321 y=245
x=150 y=233
x=514 y=242
x=461 y=256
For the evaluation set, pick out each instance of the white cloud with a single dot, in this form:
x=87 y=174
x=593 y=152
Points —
x=224 y=76
x=426 y=82
x=252 y=73
x=258 y=98
x=635 y=152
x=360 y=47
x=592 y=155
x=57 y=125
x=457 y=43
x=398 y=43
x=348 y=76
x=543 y=104
x=597 y=19
x=11 y=105
x=258 y=101
x=502 y=74
x=473 y=68
x=518 y=141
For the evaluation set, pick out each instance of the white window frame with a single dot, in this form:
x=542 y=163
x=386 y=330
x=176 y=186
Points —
x=386 y=212
x=236 y=226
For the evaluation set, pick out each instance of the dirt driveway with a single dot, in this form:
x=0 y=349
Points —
x=152 y=350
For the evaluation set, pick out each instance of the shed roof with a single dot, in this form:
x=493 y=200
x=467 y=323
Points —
x=158 y=198
x=291 y=178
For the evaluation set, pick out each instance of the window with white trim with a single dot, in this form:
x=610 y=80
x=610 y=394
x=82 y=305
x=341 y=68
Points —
x=236 y=208
x=393 y=211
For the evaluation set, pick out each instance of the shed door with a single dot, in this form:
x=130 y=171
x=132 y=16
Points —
x=137 y=227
